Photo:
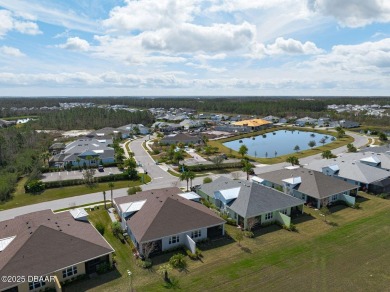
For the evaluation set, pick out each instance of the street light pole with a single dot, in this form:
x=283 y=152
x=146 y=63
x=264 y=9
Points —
x=131 y=280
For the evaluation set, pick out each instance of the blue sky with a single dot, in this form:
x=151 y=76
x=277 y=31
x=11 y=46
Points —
x=194 y=47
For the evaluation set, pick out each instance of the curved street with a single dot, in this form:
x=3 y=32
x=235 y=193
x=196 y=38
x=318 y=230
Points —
x=160 y=179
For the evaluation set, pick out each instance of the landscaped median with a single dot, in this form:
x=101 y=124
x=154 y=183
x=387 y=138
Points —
x=339 y=142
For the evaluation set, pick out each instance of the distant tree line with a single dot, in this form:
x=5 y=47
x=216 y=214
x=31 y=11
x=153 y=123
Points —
x=91 y=118
x=21 y=151
x=281 y=106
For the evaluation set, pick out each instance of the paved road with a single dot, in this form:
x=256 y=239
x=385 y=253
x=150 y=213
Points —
x=160 y=179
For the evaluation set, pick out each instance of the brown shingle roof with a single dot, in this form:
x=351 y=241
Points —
x=46 y=242
x=165 y=213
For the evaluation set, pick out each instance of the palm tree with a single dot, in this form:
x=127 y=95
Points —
x=293 y=160
x=323 y=141
x=247 y=168
x=111 y=186
x=89 y=158
x=243 y=150
x=185 y=176
x=45 y=156
x=104 y=196
x=191 y=176
x=78 y=162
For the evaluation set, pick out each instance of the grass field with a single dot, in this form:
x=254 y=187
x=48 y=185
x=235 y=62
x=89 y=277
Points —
x=20 y=198
x=317 y=150
x=350 y=254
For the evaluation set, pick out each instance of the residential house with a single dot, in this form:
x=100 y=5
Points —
x=254 y=124
x=57 y=246
x=348 y=124
x=167 y=127
x=191 y=124
x=131 y=129
x=180 y=138
x=4 y=123
x=314 y=187
x=305 y=121
x=272 y=119
x=366 y=177
x=246 y=201
x=167 y=218
x=88 y=151
x=56 y=148
x=107 y=133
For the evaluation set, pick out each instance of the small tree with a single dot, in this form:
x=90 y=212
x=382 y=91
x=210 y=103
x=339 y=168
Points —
x=104 y=198
x=191 y=176
x=217 y=160
x=185 y=176
x=243 y=150
x=297 y=148
x=247 y=168
x=251 y=222
x=327 y=154
x=100 y=227
x=116 y=228
x=323 y=141
x=324 y=211
x=238 y=236
x=382 y=136
x=148 y=248
x=134 y=190
x=351 y=148
x=88 y=176
x=293 y=160
x=178 y=261
x=111 y=186
x=312 y=143
x=164 y=270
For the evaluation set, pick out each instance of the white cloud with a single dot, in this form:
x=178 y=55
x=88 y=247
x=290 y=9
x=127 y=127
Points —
x=10 y=51
x=362 y=58
x=354 y=13
x=150 y=14
x=9 y=22
x=291 y=46
x=196 y=38
x=52 y=12
x=75 y=44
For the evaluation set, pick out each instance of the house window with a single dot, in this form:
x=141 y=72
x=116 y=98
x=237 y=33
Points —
x=334 y=198
x=302 y=196
x=196 y=233
x=36 y=285
x=284 y=211
x=174 y=239
x=269 y=216
x=69 y=272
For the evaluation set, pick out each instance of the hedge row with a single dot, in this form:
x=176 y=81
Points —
x=56 y=169
x=73 y=182
x=200 y=167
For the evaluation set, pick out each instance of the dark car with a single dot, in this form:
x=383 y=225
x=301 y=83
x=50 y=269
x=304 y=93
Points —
x=100 y=168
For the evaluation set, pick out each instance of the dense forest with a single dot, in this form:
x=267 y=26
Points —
x=21 y=151
x=281 y=106
x=91 y=118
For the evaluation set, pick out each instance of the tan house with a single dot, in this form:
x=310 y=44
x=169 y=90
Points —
x=43 y=250
x=254 y=124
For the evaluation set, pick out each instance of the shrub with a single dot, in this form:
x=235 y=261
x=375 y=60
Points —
x=116 y=228
x=194 y=256
x=146 y=264
x=34 y=186
x=207 y=180
x=228 y=220
x=200 y=167
x=384 y=195
x=178 y=261
x=291 y=227
x=103 y=268
x=134 y=190
x=249 y=234
x=356 y=206
x=100 y=227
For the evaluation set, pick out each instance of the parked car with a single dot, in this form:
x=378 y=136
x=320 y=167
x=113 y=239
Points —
x=100 y=168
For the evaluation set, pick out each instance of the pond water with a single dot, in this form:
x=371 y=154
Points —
x=278 y=143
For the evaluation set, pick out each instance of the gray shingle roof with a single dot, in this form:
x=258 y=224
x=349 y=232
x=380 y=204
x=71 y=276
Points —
x=313 y=183
x=253 y=199
x=355 y=171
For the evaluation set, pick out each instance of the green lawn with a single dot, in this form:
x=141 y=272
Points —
x=350 y=254
x=20 y=198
